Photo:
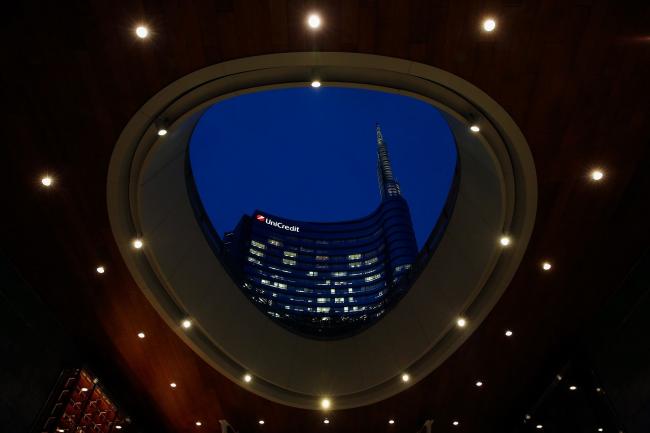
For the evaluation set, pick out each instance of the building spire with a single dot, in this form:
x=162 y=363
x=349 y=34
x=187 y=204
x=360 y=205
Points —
x=388 y=186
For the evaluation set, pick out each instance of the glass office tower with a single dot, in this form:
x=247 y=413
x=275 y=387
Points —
x=326 y=280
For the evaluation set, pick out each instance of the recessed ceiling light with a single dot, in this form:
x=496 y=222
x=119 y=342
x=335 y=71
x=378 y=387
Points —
x=598 y=389
x=137 y=243
x=142 y=32
x=489 y=24
x=539 y=426
x=60 y=430
x=479 y=383
x=198 y=423
x=508 y=333
x=527 y=416
x=173 y=384
x=84 y=389
x=600 y=429
x=505 y=241
x=260 y=422
x=314 y=21
x=546 y=266
x=248 y=378
x=573 y=387
x=474 y=128
x=391 y=421
x=315 y=84
x=162 y=132
x=597 y=175
x=461 y=322
x=325 y=403
x=100 y=269
x=326 y=421
x=455 y=423
x=141 y=335
x=47 y=181
x=558 y=377
x=187 y=323
x=406 y=377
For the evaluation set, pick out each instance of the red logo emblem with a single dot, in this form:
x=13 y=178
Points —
x=260 y=218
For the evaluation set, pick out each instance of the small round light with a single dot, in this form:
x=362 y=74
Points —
x=248 y=378
x=505 y=241
x=405 y=377
x=314 y=21
x=186 y=324
x=597 y=175
x=391 y=421
x=539 y=426
x=600 y=429
x=100 y=269
x=260 y=422
x=172 y=385
x=461 y=322
x=141 y=335
x=558 y=377
x=47 y=181
x=546 y=266
x=598 y=389
x=479 y=383
x=325 y=403
x=455 y=423
x=527 y=416
x=137 y=243
x=474 y=128
x=142 y=32
x=60 y=430
x=573 y=387
x=198 y=423
x=315 y=84
x=326 y=421
x=489 y=24
x=508 y=333
x=162 y=132
x=84 y=389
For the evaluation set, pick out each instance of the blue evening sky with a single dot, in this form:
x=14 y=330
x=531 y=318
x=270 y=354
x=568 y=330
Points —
x=310 y=155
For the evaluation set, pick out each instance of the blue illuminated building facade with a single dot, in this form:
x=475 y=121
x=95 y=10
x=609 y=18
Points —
x=326 y=280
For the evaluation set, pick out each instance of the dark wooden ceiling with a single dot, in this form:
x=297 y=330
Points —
x=573 y=75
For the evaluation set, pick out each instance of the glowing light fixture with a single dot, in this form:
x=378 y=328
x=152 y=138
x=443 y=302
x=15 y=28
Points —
x=406 y=377
x=325 y=403
x=186 y=324
x=597 y=175
x=47 y=181
x=100 y=269
x=455 y=423
x=539 y=426
x=461 y=322
x=84 y=389
x=505 y=241
x=479 y=383
x=142 y=32
x=141 y=335
x=489 y=24
x=600 y=429
x=474 y=128
x=260 y=422
x=326 y=421
x=137 y=243
x=315 y=84
x=508 y=333
x=573 y=387
x=162 y=132
x=391 y=421
x=546 y=266
x=314 y=21
x=558 y=377
x=172 y=385
x=198 y=423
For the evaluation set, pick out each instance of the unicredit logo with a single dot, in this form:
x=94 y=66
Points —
x=277 y=224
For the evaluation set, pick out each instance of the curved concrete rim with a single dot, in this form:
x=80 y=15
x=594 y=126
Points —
x=147 y=197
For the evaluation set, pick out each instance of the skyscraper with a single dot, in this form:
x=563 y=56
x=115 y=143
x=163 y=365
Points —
x=326 y=280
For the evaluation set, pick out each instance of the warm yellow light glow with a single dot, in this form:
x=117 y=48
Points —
x=187 y=323
x=248 y=378
x=573 y=387
x=47 y=181
x=84 y=389
x=173 y=384
x=539 y=426
x=198 y=423
x=461 y=322
x=391 y=421
x=406 y=377
x=100 y=269
x=141 y=335
x=260 y=422
x=315 y=84
x=474 y=128
x=508 y=333
x=314 y=21
x=597 y=175
x=546 y=266
x=489 y=24
x=142 y=32
x=505 y=241
x=325 y=403
x=326 y=421
x=162 y=131
x=137 y=243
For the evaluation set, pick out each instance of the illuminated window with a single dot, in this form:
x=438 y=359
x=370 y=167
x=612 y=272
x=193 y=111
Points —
x=332 y=291
x=322 y=300
x=339 y=300
x=254 y=260
x=354 y=256
x=322 y=309
x=289 y=262
x=346 y=309
x=339 y=274
x=351 y=299
x=312 y=273
x=350 y=290
x=371 y=261
x=274 y=242
x=355 y=264
x=265 y=281
x=322 y=258
x=258 y=245
x=340 y=283
x=372 y=277
x=256 y=253
x=289 y=254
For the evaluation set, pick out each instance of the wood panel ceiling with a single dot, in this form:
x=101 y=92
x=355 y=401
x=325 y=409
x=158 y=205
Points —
x=572 y=74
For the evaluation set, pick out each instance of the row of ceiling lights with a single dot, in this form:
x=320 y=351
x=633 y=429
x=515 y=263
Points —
x=314 y=22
